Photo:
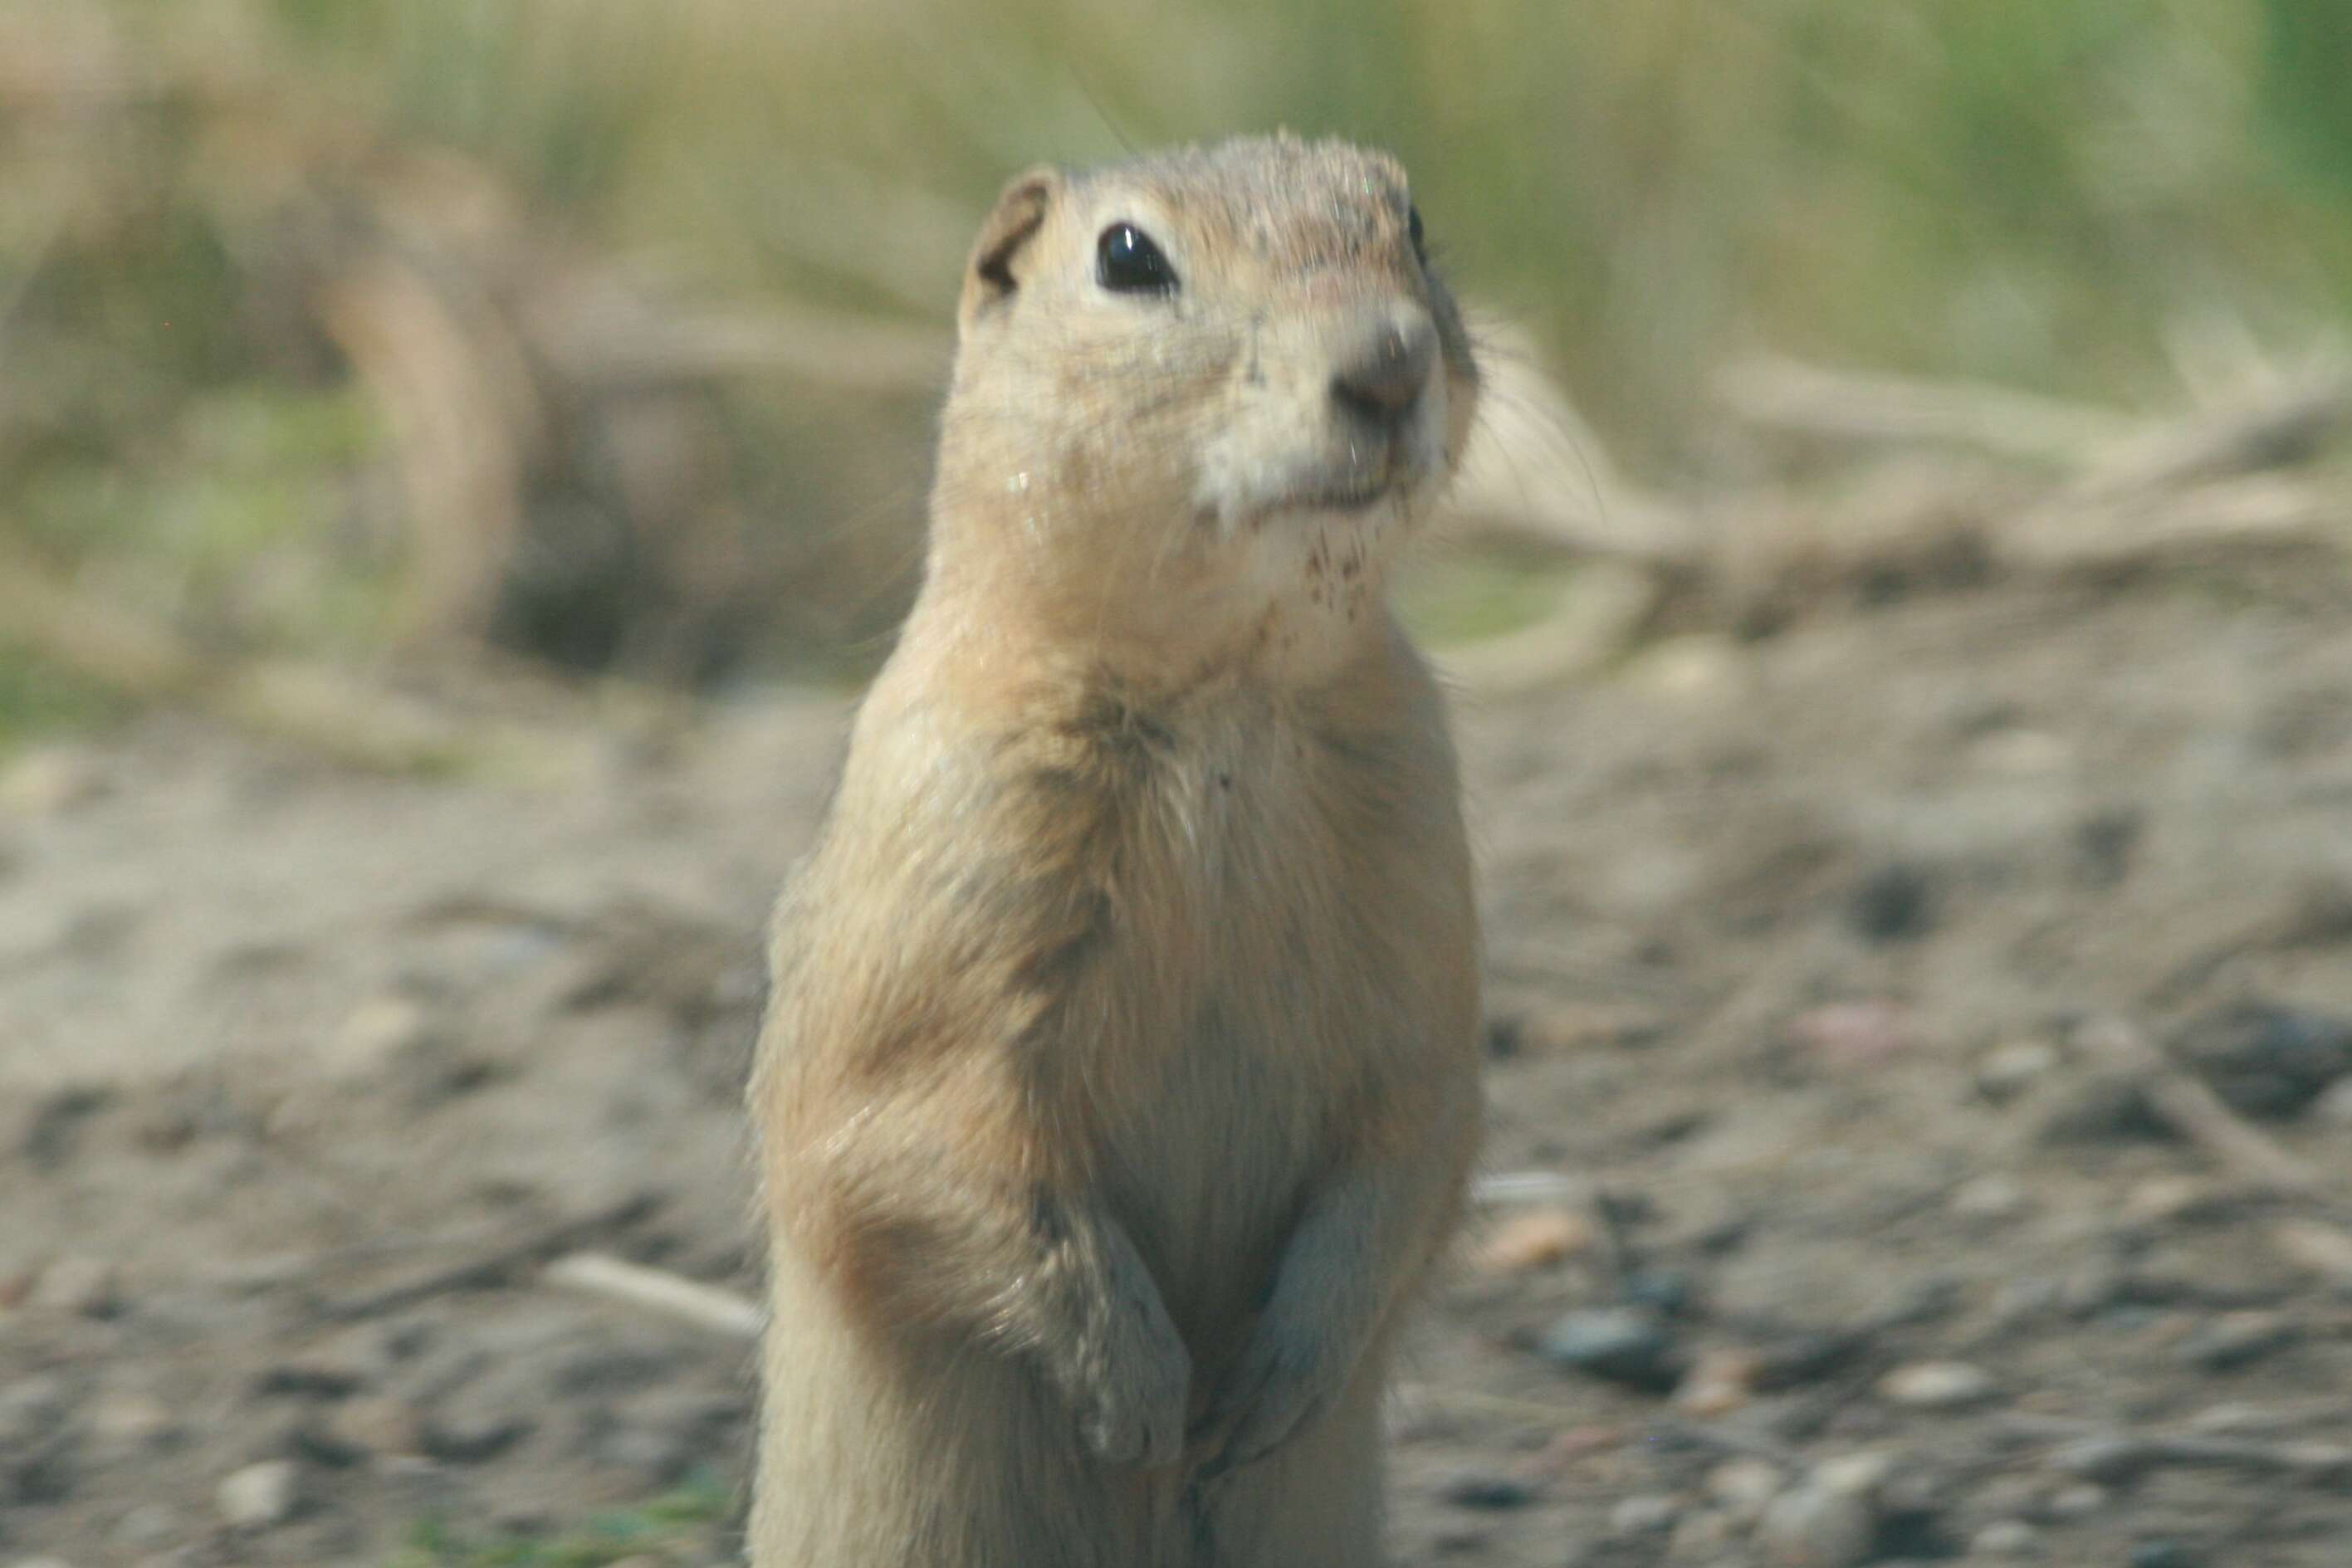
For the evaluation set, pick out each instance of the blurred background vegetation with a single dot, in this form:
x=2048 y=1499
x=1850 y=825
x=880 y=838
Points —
x=609 y=333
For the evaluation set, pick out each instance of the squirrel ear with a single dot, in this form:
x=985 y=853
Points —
x=991 y=277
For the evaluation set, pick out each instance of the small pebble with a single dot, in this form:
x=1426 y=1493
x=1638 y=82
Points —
x=151 y=1524
x=50 y=782
x=129 y=1421
x=1988 y=1198
x=2236 y=1340
x=260 y=1496
x=2009 y=1070
x=2022 y=752
x=1846 y=1035
x=1702 y=1537
x=1643 y=1513
x=1812 y=1527
x=2267 y=1060
x=1536 y=1239
x=1666 y=1292
x=2334 y=1108
x=1893 y=904
x=2006 y=1538
x=378 y=1032
x=1854 y=1475
x=2160 y=1200
x=1745 y=1486
x=2107 y=1109
x=2077 y=1501
x=2319 y=1246
x=1617 y=1344
x=1697 y=666
x=2238 y=1419
x=377 y=1425
x=88 y=1286
x=1720 y=1382
x=1937 y=1385
x=2101 y=1458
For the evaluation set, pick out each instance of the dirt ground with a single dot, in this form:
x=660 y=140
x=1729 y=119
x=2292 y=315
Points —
x=1822 y=1230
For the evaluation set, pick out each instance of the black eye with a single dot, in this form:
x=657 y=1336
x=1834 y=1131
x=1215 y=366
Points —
x=1127 y=262
x=1412 y=228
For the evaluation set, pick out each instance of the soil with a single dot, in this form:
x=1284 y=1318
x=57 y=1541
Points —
x=1818 y=1234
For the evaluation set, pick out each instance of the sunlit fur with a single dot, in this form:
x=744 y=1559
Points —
x=1119 y=1081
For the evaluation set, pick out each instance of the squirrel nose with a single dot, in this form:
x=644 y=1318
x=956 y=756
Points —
x=1380 y=379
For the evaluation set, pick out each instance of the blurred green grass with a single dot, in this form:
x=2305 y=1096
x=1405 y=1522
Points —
x=2051 y=194
x=676 y=1527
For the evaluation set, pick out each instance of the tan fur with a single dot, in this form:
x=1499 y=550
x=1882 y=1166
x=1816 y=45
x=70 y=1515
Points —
x=1120 y=1082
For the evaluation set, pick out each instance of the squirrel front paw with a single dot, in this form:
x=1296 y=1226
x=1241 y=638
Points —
x=1130 y=1400
x=1283 y=1381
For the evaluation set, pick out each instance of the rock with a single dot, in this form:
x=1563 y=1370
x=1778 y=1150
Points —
x=40 y=1562
x=1536 y=1239
x=1702 y=1537
x=1666 y=1292
x=32 y=1415
x=88 y=1286
x=1845 y=1035
x=31 y=1404
x=148 y=1526
x=2109 y=1459
x=377 y=1032
x=2011 y=1069
x=2267 y=1061
x=1643 y=1513
x=1814 y=1527
x=2021 y=752
x=1991 y=1197
x=2103 y=843
x=1937 y=1385
x=50 y=782
x=1694 y=667
x=2236 y=1340
x=1745 y=1487
x=2318 y=1248
x=2162 y=1201
x=2079 y=1500
x=471 y=1437
x=128 y=1422
x=1617 y=1344
x=1718 y=1383
x=377 y=1425
x=1486 y=1490
x=1895 y=903
x=53 y=1136
x=2006 y=1538
x=1808 y=1356
x=2333 y=1107
x=2107 y=1109
x=1854 y=1475
x=2164 y=1553
x=260 y=1496
x=2240 y=1420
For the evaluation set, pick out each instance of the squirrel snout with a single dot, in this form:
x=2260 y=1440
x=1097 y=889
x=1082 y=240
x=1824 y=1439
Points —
x=1381 y=375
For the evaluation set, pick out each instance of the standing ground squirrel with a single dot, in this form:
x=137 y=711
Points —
x=1120 y=1082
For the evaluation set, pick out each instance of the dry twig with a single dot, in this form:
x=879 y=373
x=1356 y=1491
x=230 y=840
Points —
x=2198 y=1113
x=691 y=1302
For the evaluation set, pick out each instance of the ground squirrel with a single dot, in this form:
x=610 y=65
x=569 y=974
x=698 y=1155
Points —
x=1120 y=1078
